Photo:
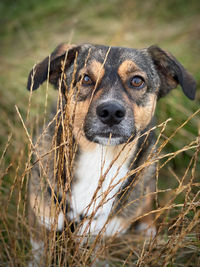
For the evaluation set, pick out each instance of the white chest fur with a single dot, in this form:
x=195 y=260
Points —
x=99 y=177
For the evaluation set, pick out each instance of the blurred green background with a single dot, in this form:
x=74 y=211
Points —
x=30 y=30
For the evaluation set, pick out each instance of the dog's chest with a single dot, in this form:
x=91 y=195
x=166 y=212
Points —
x=98 y=179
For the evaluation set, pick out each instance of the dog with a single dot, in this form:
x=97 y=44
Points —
x=94 y=165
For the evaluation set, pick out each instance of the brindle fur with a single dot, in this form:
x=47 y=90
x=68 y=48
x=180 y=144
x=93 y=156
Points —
x=76 y=131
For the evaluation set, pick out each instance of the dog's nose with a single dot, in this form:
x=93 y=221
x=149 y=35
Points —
x=110 y=113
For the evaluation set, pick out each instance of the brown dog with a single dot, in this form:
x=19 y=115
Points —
x=95 y=169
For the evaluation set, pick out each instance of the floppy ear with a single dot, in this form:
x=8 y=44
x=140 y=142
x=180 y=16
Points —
x=53 y=65
x=171 y=73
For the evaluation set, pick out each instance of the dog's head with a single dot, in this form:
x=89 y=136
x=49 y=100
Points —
x=114 y=90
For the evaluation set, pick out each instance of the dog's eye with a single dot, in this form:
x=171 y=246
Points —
x=137 y=82
x=86 y=80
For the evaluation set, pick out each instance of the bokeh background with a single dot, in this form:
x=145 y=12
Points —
x=31 y=29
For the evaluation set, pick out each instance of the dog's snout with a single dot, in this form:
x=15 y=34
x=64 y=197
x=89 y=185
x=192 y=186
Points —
x=111 y=113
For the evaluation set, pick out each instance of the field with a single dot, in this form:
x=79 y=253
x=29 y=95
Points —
x=29 y=31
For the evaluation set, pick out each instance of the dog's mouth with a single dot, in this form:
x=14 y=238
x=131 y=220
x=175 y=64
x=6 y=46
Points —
x=110 y=138
x=109 y=135
x=114 y=135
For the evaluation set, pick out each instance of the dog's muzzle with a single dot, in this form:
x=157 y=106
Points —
x=110 y=113
x=109 y=123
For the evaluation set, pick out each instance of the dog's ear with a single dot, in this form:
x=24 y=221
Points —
x=52 y=66
x=171 y=73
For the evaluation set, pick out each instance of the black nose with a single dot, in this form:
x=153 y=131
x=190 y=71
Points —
x=111 y=113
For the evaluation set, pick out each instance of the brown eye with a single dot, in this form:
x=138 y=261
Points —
x=137 y=82
x=86 y=80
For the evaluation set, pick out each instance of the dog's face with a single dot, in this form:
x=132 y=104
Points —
x=113 y=90
x=117 y=93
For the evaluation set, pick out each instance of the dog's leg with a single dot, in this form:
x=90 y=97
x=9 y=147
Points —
x=146 y=224
x=36 y=241
x=37 y=252
x=43 y=230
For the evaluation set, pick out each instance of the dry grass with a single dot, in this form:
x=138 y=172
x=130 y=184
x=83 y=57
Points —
x=175 y=244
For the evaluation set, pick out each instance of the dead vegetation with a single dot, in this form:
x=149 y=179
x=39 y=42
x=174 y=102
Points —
x=177 y=212
x=176 y=242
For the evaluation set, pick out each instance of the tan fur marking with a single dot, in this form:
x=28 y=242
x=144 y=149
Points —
x=143 y=115
x=80 y=115
x=126 y=71
x=95 y=70
x=127 y=68
x=85 y=144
